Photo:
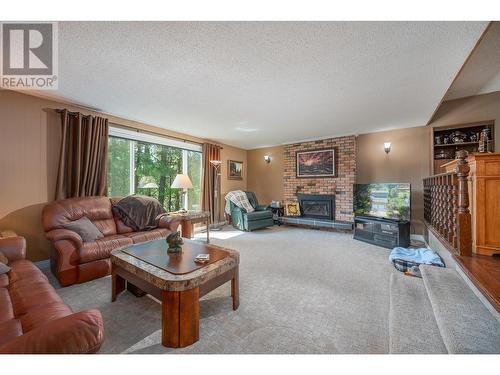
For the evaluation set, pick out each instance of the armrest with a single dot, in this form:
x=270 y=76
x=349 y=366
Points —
x=65 y=234
x=14 y=248
x=78 y=333
x=169 y=222
x=237 y=210
x=262 y=207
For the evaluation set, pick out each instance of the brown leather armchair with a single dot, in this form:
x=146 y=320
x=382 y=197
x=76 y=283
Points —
x=33 y=318
x=74 y=261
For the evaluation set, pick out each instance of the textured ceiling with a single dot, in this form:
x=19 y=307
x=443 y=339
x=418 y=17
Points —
x=254 y=84
x=481 y=74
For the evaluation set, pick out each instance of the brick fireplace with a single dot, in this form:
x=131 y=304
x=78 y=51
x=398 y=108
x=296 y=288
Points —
x=339 y=186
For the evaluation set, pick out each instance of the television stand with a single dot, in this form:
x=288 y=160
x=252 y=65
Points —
x=382 y=232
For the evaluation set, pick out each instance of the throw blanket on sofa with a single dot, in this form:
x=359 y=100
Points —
x=139 y=212
x=240 y=199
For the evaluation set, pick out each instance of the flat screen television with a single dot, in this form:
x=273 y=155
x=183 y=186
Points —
x=388 y=201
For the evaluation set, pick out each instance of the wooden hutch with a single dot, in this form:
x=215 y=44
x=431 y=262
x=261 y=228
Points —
x=484 y=197
x=448 y=140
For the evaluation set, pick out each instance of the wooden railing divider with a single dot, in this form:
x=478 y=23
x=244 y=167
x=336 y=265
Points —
x=446 y=207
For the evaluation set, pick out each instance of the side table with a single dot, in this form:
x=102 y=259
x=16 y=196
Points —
x=189 y=218
x=277 y=213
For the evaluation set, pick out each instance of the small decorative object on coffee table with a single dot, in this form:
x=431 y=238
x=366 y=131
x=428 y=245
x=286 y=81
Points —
x=174 y=241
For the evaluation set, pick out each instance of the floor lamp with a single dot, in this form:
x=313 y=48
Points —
x=217 y=225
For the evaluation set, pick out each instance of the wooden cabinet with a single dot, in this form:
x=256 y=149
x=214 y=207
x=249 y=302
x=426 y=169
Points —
x=484 y=196
x=448 y=140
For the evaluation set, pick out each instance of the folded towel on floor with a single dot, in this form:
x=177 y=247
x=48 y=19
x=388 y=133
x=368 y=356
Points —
x=409 y=259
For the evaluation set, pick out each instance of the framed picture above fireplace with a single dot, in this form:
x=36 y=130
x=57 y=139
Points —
x=316 y=163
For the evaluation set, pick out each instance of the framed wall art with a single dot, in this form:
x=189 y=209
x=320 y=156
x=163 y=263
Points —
x=316 y=163
x=234 y=170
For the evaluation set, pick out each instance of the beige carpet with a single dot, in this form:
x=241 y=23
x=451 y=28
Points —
x=302 y=291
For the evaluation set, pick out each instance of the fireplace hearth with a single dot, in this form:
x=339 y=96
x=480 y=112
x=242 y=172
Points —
x=317 y=206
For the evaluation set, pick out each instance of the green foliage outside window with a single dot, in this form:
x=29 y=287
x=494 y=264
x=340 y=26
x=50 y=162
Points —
x=155 y=168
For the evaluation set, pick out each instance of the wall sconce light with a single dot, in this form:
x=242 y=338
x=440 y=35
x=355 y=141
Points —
x=267 y=158
x=387 y=147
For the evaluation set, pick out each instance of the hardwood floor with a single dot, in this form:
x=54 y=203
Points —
x=484 y=271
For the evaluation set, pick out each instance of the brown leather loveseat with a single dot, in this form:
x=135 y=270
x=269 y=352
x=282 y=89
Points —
x=33 y=318
x=74 y=261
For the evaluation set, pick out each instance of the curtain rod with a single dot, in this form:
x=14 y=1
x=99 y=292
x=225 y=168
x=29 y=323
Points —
x=160 y=134
x=71 y=113
x=138 y=130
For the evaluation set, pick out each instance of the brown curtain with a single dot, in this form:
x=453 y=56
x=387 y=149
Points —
x=83 y=164
x=210 y=152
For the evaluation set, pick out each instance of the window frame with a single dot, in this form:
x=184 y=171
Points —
x=136 y=135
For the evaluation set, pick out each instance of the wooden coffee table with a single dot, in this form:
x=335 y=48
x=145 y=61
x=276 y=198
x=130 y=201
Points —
x=177 y=281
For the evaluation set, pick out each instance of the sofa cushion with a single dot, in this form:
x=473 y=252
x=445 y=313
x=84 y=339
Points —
x=27 y=296
x=85 y=228
x=25 y=270
x=121 y=228
x=150 y=235
x=41 y=315
x=102 y=248
x=96 y=209
x=9 y=330
x=6 y=311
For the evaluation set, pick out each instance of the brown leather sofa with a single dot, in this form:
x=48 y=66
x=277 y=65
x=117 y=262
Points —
x=33 y=318
x=74 y=261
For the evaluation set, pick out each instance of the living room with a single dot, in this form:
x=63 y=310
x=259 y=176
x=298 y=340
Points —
x=250 y=187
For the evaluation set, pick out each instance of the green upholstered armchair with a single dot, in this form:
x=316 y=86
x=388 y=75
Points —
x=262 y=217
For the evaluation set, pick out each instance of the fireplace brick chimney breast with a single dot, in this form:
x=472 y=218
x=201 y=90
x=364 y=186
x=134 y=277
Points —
x=340 y=186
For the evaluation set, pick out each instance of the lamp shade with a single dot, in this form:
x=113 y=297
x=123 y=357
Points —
x=182 y=181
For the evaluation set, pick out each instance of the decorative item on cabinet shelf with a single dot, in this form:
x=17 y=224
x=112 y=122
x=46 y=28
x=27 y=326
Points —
x=458 y=137
x=483 y=140
x=437 y=140
x=444 y=154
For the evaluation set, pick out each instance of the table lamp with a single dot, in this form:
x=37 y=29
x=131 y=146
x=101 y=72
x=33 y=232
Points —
x=182 y=181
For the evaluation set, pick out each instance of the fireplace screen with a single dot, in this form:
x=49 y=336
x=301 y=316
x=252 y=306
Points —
x=316 y=208
x=319 y=206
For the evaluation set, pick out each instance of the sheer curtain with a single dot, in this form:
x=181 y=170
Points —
x=83 y=157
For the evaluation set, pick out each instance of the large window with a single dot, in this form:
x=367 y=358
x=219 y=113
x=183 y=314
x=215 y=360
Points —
x=147 y=165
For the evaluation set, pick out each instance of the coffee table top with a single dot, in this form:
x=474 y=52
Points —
x=178 y=271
